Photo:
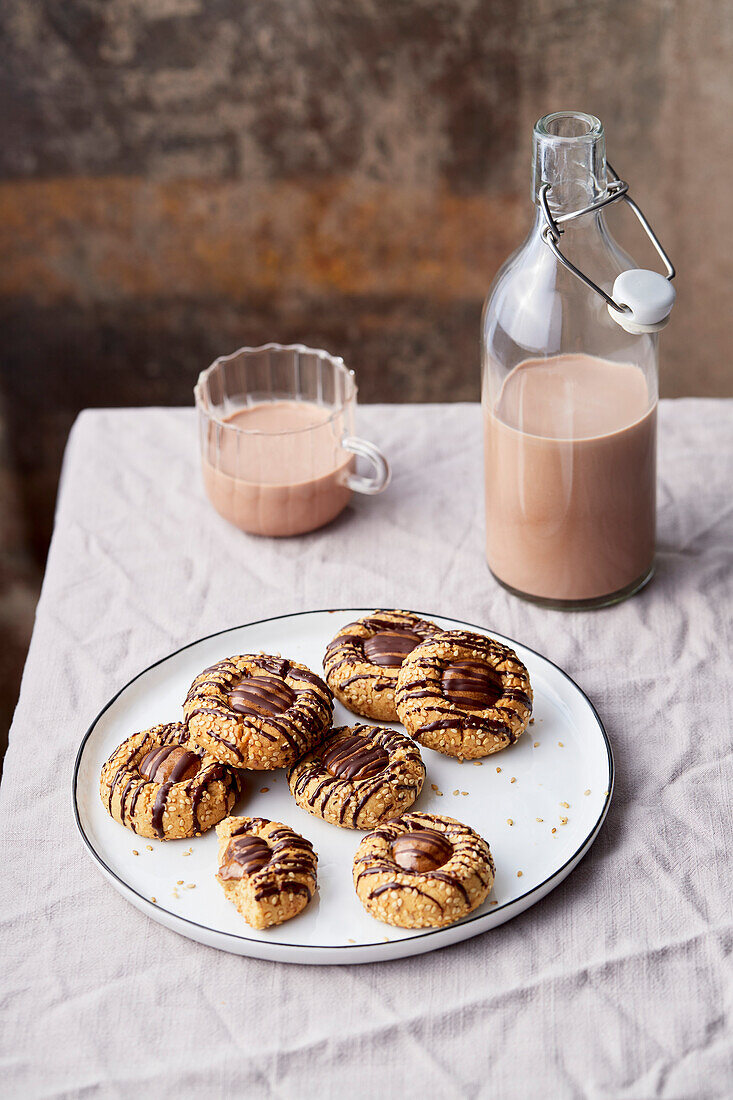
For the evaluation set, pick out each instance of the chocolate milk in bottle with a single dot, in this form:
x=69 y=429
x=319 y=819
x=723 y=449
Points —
x=569 y=392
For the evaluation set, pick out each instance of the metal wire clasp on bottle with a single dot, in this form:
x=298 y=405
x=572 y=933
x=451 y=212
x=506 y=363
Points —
x=644 y=290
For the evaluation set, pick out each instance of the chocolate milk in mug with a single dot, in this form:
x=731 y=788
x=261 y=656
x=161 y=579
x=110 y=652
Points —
x=570 y=386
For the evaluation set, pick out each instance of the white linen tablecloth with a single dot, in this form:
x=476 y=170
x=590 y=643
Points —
x=617 y=985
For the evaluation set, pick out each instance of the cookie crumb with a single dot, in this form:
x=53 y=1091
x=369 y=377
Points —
x=434 y=786
x=386 y=939
x=519 y=874
x=464 y=792
x=513 y=779
x=154 y=900
x=540 y=819
x=509 y=821
x=190 y=885
x=439 y=794
x=563 y=821
x=536 y=745
x=586 y=792
x=175 y=893
x=149 y=847
x=351 y=941
x=561 y=744
x=565 y=805
x=264 y=790
x=179 y=882
x=498 y=769
x=554 y=830
x=494 y=902
x=456 y=792
x=135 y=852
x=478 y=763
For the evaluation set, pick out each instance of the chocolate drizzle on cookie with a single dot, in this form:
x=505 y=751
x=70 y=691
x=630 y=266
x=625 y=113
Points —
x=133 y=804
x=271 y=859
x=383 y=887
x=169 y=764
x=403 y=620
x=213 y=712
x=156 y=759
x=388 y=648
x=243 y=856
x=261 y=695
x=252 y=693
x=276 y=666
x=421 y=850
x=378 y=685
x=345 y=639
x=307 y=677
x=164 y=735
x=373 y=650
x=459 y=684
x=124 y=767
x=197 y=790
x=355 y=757
x=518 y=696
x=465 y=722
x=352 y=766
x=471 y=684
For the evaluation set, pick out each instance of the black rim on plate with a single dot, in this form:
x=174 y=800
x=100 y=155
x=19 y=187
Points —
x=577 y=854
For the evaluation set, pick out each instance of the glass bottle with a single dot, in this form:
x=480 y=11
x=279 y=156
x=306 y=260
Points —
x=569 y=395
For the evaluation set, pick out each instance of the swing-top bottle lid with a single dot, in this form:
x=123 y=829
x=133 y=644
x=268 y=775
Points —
x=641 y=300
x=648 y=297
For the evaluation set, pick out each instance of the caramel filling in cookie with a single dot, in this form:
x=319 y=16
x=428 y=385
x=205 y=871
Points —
x=388 y=648
x=471 y=685
x=421 y=850
x=258 y=695
x=244 y=855
x=169 y=764
x=355 y=758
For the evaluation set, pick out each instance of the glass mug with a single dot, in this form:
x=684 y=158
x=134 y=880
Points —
x=275 y=431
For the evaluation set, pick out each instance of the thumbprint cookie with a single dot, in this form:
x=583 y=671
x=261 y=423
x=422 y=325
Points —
x=363 y=660
x=464 y=694
x=257 y=711
x=358 y=777
x=157 y=788
x=422 y=871
x=266 y=870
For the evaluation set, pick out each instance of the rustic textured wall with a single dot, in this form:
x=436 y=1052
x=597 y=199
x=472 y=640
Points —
x=179 y=177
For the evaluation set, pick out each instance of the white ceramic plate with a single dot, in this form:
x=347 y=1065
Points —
x=554 y=786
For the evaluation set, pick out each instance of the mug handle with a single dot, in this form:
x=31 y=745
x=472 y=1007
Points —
x=369 y=485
